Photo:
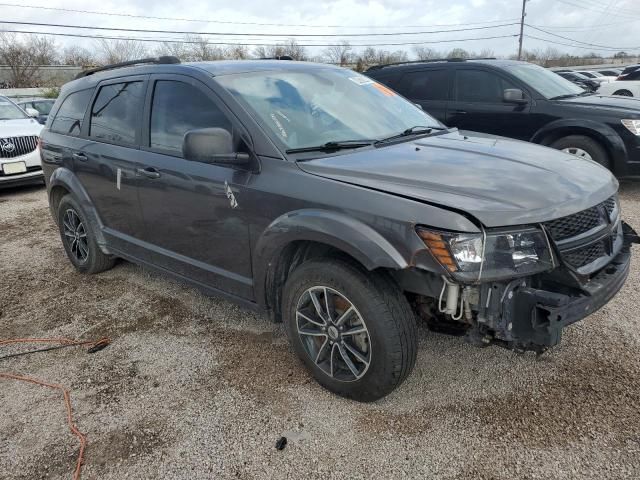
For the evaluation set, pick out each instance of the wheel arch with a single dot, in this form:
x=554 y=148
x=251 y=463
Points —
x=603 y=134
x=62 y=182
x=298 y=236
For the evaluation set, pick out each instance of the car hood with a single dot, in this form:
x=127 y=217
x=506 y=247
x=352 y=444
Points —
x=20 y=127
x=499 y=181
x=617 y=103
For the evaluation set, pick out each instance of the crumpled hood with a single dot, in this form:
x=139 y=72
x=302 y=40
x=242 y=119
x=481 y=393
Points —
x=499 y=181
x=19 y=128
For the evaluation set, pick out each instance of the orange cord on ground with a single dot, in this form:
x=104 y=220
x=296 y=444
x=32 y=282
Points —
x=65 y=393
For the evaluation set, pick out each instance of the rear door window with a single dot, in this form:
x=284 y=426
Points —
x=480 y=86
x=70 y=115
x=116 y=113
x=426 y=85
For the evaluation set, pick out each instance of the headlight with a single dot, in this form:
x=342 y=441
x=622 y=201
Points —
x=499 y=254
x=632 y=125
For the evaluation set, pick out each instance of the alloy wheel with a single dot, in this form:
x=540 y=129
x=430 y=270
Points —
x=333 y=333
x=75 y=235
x=578 y=152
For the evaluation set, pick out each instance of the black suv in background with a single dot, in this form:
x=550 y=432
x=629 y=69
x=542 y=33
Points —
x=526 y=102
x=632 y=72
x=326 y=199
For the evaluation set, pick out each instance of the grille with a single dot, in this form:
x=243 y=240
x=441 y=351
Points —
x=11 y=147
x=581 y=222
x=585 y=255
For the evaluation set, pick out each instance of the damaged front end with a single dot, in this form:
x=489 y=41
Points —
x=520 y=288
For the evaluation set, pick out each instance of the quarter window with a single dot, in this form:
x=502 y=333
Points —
x=425 y=85
x=177 y=108
x=70 y=115
x=115 y=113
x=480 y=86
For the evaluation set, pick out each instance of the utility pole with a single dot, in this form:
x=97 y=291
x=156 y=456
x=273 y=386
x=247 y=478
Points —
x=524 y=14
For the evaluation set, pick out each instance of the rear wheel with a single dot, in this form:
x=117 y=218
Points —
x=583 y=147
x=79 y=240
x=623 y=93
x=355 y=332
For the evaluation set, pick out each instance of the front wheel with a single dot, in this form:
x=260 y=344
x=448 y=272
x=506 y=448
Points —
x=355 y=332
x=623 y=93
x=583 y=147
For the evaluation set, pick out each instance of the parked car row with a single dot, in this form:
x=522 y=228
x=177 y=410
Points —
x=622 y=82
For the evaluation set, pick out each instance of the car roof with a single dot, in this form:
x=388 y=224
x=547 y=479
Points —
x=213 y=68
x=411 y=65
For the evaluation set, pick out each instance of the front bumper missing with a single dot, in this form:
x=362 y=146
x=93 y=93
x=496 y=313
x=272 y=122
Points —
x=533 y=318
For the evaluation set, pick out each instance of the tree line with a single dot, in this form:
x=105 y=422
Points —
x=24 y=54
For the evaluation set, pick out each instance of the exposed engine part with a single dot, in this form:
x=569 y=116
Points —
x=452 y=298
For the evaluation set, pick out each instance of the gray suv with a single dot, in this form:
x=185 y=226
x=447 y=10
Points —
x=327 y=200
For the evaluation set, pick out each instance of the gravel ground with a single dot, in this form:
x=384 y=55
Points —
x=196 y=387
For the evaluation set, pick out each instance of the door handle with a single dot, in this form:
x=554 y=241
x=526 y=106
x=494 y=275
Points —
x=80 y=156
x=460 y=112
x=148 y=172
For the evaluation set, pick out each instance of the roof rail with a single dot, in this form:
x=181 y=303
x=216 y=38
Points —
x=408 y=62
x=280 y=57
x=155 y=60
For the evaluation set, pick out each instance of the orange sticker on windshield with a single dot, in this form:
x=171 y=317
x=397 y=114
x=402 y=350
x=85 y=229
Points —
x=388 y=92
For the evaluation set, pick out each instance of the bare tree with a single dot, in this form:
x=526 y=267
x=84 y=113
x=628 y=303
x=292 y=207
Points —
x=24 y=56
x=485 y=53
x=77 y=55
x=116 y=51
x=458 y=53
x=201 y=50
x=290 y=48
x=173 y=49
x=425 y=53
x=236 y=52
x=341 y=54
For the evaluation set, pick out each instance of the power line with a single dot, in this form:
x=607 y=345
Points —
x=584 y=47
x=578 y=41
x=590 y=8
x=230 y=34
x=154 y=40
x=130 y=15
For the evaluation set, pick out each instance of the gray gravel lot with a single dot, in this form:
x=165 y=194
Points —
x=195 y=387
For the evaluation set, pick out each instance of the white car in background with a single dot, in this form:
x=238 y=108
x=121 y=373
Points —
x=597 y=76
x=19 y=152
x=625 y=88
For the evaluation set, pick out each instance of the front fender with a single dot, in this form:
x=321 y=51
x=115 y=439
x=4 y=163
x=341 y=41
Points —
x=340 y=231
x=576 y=126
x=65 y=178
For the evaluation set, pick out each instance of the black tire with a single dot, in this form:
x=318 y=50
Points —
x=95 y=261
x=588 y=144
x=623 y=93
x=385 y=312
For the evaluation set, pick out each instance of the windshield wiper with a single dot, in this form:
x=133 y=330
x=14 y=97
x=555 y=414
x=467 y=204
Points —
x=416 y=130
x=331 y=146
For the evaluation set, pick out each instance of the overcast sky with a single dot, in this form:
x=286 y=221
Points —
x=614 y=23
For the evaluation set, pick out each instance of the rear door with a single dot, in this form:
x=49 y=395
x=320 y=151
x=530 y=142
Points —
x=194 y=225
x=107 y=160
x=428 y=88
x=478 y=104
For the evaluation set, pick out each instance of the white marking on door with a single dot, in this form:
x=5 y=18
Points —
x=118 y=177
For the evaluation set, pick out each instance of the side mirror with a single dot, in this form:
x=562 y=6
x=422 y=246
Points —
x=514 y=95
x=32 y=112
x=212 y=145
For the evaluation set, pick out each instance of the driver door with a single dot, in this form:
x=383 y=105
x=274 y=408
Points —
x=196 y=225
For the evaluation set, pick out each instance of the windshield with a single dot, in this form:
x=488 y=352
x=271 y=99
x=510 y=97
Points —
x=9 y=111
x=320 y=105
x=549 y=84
x=43 y=108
